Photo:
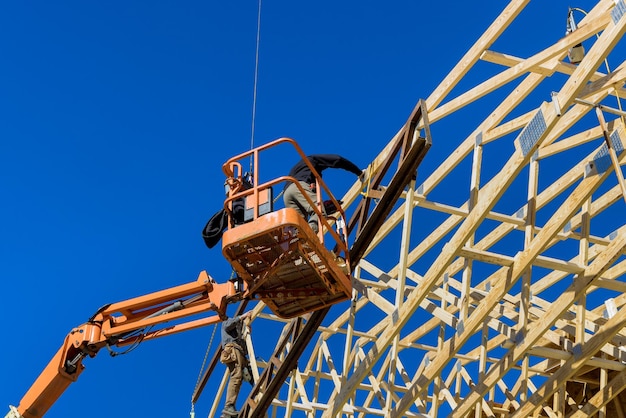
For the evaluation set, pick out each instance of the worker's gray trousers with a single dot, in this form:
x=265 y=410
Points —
x=294 y=199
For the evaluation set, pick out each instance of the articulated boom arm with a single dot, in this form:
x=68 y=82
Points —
x=124 y=324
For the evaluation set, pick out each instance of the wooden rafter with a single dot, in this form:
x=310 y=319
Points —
x=494 y=309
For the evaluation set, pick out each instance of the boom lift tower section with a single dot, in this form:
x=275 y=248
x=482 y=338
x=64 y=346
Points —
x=507 y=297
x=125 y=324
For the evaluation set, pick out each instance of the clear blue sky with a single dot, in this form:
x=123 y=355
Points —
x=115 y=119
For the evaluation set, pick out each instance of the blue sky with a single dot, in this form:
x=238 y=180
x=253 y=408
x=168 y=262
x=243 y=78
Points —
x=116 y=117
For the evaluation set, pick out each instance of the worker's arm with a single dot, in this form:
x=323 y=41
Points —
x=336 y=161
x=121 y=324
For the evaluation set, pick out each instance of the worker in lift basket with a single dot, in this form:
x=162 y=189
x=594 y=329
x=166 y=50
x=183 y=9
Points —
x=234 y=355
x=294 y=198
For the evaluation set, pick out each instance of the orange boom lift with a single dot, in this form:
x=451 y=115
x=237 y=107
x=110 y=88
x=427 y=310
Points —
x=277 y=255
x=125 y=324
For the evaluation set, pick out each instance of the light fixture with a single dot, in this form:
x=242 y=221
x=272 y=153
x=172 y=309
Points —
x=577 y=52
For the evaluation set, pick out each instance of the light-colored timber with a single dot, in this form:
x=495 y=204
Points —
x=501 y=291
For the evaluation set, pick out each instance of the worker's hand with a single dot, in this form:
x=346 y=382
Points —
x=363 y=175
x=246 y=321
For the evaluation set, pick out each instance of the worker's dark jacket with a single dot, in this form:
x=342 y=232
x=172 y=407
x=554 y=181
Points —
x=232 y=332
x=215 y=227
x=321 y=162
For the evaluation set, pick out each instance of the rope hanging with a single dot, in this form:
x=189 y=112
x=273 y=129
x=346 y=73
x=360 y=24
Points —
x=192 y=413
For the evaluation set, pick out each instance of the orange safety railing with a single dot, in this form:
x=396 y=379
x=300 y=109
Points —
x=236 y=182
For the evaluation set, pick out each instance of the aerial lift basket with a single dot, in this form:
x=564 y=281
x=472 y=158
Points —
x=282 y=260
x=285 y=264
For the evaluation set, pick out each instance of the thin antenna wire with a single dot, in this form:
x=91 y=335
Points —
x=256 y=78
